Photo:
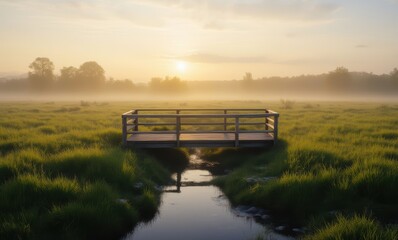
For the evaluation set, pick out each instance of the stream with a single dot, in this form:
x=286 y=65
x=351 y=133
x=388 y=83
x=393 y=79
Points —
x=194 y=209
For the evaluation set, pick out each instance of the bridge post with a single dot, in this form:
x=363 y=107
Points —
x=276 y=128
x=135 y=121
x=124 y=130
x=236 y=131
x=266 y=120
x=225 y=120
x=178 y=128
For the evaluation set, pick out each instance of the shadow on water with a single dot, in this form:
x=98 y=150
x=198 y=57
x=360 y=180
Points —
x=225 y=159
x=174 y=159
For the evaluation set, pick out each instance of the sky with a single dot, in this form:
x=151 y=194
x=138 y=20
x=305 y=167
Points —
x=201 y=39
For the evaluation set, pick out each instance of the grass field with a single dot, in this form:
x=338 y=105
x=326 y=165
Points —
x=64 y=175
x=334 y=160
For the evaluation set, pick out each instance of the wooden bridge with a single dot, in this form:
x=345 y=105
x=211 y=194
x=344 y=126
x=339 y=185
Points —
x=169 y=128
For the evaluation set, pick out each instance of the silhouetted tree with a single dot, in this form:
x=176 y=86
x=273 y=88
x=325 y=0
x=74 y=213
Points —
x=394 y=77
x=155 y=84
x=91 y=76
x=248 y=80
x=125 y=85
x=168 y=85
x=41 y=76
x=248 y=77
x=339 y=79
x=68 y=78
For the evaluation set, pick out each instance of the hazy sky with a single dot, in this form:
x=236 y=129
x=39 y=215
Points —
x=201 y=40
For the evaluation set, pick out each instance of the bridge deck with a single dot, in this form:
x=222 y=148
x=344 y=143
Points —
x=200 y=140
x=198 y=134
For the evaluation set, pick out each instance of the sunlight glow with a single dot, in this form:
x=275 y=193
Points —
x=181 y=66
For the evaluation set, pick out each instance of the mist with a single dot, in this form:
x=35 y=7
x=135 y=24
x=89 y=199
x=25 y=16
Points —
x=89 y=83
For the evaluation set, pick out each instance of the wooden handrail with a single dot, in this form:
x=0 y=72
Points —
x=199 y=109
x=130 y=121
x=254 y=115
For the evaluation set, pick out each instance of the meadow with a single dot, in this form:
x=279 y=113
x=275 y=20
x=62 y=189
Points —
x=335 y=171
x=64 y=174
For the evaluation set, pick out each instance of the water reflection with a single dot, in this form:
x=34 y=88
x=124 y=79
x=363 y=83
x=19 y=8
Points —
x=197 y=212
x=178 y=184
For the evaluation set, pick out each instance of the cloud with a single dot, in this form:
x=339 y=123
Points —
x=283 y=10
x=361 y=46
x=214 y=25
x=209 y=14
x=92 y=10
x=211 y=58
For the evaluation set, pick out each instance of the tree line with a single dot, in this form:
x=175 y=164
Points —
x=90 y=77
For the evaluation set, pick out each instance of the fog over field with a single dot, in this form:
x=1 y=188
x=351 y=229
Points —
x=88 y=82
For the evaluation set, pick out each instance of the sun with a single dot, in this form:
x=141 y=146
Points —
x=181 y=66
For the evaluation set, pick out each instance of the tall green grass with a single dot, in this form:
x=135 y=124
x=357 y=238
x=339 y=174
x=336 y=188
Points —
x=333 y=158
x=64 y=175
x=355 y=227
x=77 y=193
x=63 y=172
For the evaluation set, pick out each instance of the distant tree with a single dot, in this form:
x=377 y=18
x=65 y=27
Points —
x=155 y=84
x=248 y=77
x=394 y=77
x=287 y=104
x=91 y=76
x=168 y=85
x=125 y=85
x=339 y=79
x=68 y=79
x=41 y=76
x=247 y=81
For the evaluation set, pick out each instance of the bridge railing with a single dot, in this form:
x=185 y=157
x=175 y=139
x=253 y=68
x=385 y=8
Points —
x=175 y=121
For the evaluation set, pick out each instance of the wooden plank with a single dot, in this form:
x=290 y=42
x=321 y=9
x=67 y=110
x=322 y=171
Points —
x=196 y=124
x=128 y=128
x=207 y=137
x=255 y=137
x=206 y=131
x=193 y=144
x=128 y=113
x=270 y=126
x=199 y=109
x=152 y=137
x=152 y=132
x=202 y=124
x=164 y=144
x=256 y=131
x=252 y=124
x=155 y=124
x=273 y=112
x=253 y=115
x=270 y=120
x=201 y=137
